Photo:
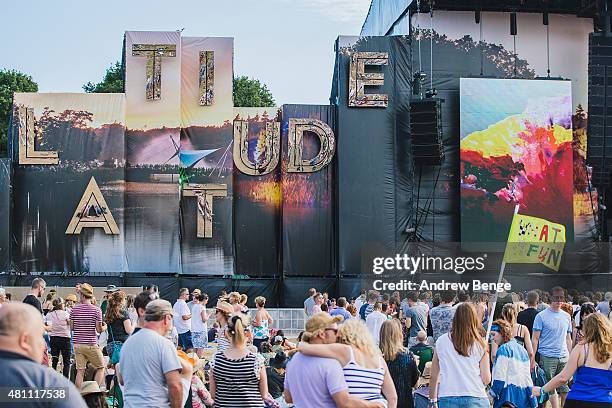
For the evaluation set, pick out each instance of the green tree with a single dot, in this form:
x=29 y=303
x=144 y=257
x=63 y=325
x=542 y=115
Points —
x=11 y=81
x=251 y=93
x=111 y=83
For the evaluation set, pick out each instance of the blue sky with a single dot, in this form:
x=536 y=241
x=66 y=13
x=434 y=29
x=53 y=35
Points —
x=288 y=44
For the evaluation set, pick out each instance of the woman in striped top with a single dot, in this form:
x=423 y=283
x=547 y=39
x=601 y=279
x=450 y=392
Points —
x=365 y=370
x=238 y=377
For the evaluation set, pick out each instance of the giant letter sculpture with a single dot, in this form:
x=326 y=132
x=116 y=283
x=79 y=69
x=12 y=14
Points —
x=297 y=127
x=267 y=160
x=23 y=117
x=154 y=54
x=205 y=193
x=359 y=79
x=92 y=212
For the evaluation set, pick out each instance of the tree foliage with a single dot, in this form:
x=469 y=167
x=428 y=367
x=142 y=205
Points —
x=111 y=83
x=11 y=81
x=251 y=93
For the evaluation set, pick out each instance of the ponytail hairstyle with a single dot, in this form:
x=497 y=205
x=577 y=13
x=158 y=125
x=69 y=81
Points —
x=236 y=328
x=510 y=313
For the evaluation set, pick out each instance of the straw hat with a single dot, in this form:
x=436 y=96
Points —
x=90 y=387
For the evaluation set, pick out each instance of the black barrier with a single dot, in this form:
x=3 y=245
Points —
x=5 y=207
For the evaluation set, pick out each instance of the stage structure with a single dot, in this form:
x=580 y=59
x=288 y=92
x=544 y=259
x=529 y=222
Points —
x=169 y=183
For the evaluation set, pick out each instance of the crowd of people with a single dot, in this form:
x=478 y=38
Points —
x=444 y=350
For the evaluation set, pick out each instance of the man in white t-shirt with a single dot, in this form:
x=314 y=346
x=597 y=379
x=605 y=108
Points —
x=182 y=320
x=375 y=320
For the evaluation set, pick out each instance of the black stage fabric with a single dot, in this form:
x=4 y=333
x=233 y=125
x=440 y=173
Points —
x=373 y=181
x=5 y=207
x=308 y=203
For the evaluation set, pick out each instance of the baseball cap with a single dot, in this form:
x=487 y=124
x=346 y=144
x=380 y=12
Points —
x=157 y=309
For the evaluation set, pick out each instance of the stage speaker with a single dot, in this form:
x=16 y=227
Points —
x=599 y=132
x=426 y=131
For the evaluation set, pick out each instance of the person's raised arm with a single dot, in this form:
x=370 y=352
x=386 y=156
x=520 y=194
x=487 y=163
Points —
x=388 y=388
x=344 y=400
x=175 y=388
x=263 y=382
x=433 y=378
x=494 y=348
x=336 y=351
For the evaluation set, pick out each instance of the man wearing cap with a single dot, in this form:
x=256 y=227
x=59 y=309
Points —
x=21 y=353
x=107 y=292
x=149 y=368
x=315 y=382
x=196 y=292
x=86 y=322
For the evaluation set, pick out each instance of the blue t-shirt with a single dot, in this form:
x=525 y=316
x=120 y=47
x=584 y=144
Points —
x=340 y=311
x=418 y=318
x=553 y=327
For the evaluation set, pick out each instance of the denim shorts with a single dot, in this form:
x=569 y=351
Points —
x=463 y=402
x=184 y=341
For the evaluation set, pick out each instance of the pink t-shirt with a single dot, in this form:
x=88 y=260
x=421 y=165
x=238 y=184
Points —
x=84 y=318
x=58 y=320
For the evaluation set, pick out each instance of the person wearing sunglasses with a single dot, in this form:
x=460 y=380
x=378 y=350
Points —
x=552 y=340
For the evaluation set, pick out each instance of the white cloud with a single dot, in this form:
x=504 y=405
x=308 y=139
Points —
x=342 y=11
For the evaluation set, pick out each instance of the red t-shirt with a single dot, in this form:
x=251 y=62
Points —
x=84 y=317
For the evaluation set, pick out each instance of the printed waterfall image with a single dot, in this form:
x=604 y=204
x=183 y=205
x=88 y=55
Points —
x=516 y=149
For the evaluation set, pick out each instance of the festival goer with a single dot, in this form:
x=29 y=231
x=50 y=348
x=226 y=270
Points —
x=552 y=339
x=318 y=299
x=527 y=317
x=482 y=307
x=361 y=299
x=92 y=394
x=591 y=361
x=21 y=353
x=118 y=322
x=2 y=296
x=585 y=310
x=131 y=310
x=140 y=304
x=238 y=377
x=275 y=374
x=423 y=350
x=37 y=289
x=182 y=321
x=149 y=365
x=368 y=307
x=605 y=305
x=59 y=322
x=86 y=322
x=365 y=370
x=352 y=310
x=194 y=294
x=402 y=366
x=511 y=369
x=222 y=314
x=47 y=305
x=341 y=309
x=199 y=324
x=416 y=317
x=519 y=332
x=324 y=386
x=374 y=322
x=234 y=300
x=263 y=321
x=110 y=289
x=243 y=303
x=69 y=302
x=309 y=302
x=460 y=363
x=441 y=316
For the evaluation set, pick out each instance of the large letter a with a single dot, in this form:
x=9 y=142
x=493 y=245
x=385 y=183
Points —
x=92 y=212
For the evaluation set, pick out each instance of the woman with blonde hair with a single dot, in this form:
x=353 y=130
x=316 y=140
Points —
x=234 y=299
x=238 y=377
x=401 y=363
x=243 y=303
x=263 y=320
x=222 y=315
x=461 y=364
x=365 y=370
x=520 y=333
x=591 y=360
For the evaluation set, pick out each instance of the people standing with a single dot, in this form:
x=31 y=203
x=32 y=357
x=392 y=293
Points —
x=423 y=350
x=86 y=322
x=460 y=368
x=150 y=370
x=527 y=317
x=199 y=325
x=604 y=306
x=552 y=340
x=341 y=309
x=263 y=321
x=361 y=299
x=591 y=362
x=59 y=322
x=110 y=289
x=309 y=302
x=131 y=310
x=401 y=363
x=222 y=314
x=441 y=316
x=47 y=305
x=368 y=307
x=520 y=333
x=275 y=374
x=512 y=381
x=416 y=317
x=69 y=302
x=194 y=295
x=586 y=310
x=374 y=322
x=37 y=289
x=182 y=321
x=140 y=304
x=238 y=377
x=118 y=322
x=21 y=354
x=324 y=386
